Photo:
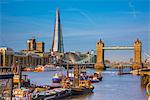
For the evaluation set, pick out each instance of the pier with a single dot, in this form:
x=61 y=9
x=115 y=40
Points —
x=145 y=80
x=6 y=83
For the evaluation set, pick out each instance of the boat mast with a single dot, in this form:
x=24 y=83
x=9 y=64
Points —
x=18 y=73
x=76 y=72
x=67 y=71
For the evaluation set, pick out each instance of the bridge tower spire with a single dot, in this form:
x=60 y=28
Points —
x=137 y=54
x=100 y=55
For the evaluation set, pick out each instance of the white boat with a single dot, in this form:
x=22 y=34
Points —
x=51 y=67
x=48 y=67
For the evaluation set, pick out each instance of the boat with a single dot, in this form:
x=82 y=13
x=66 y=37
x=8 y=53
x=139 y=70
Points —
x=81 y=84
x=48 y=67
x=22 y=94
x=62 y=92
x=43 y=95
x=25 y=82
x=52 y=67
x=28 y=69
x=55 y=85
x=94 y=80
x=40 y=68
x=57 y=78
x=97 y=77
x=84 y=87
x=52 y=94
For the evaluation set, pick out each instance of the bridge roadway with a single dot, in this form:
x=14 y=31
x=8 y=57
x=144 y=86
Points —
x=119 y=48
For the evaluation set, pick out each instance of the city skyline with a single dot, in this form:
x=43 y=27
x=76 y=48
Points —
x=84 y=23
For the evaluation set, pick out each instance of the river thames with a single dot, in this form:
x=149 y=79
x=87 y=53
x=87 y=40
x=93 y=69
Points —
x=112 y=86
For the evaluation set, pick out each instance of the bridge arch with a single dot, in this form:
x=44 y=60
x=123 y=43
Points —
x=100 y=48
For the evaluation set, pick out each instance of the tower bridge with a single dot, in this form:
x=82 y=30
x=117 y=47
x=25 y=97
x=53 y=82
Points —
x=137 y=48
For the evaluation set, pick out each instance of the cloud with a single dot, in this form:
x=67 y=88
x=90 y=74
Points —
x=84 y=13
x=132 y=7
x=87 y=17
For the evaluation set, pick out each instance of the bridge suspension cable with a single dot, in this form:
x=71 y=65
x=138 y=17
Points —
x=147 y=54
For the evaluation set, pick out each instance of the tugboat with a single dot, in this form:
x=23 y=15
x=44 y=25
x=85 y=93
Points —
x=84 y=87
x=57 y=78
x=80 y=85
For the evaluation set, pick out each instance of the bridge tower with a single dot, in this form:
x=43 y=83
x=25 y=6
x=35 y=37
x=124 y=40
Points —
x=100 y=55
x=137 y=54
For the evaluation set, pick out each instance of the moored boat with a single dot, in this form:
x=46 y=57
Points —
x=55 y=85
x=48 y=67
x=81 y=84
x=80 y=91
x=94 y=80
x=52 y=67
x=22 y=94
x=84 y=87
x=57 y=78
x=52 y=94
x=28 y=69
x=97 y=77
x=25 y=82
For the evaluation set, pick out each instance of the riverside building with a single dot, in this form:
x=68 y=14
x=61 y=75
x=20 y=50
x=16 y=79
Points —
x=34 y=55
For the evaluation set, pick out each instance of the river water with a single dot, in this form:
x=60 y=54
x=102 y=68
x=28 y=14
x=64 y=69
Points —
x=112 y=86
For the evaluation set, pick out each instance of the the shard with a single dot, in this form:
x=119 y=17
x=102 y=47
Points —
x=57 y=45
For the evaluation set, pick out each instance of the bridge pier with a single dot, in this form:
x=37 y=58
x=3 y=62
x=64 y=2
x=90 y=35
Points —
x=99 y=66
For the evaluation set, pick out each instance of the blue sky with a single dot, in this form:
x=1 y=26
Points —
x=84 y=22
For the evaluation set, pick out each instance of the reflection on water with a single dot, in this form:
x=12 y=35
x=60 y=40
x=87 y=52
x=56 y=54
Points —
x=112 y=87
